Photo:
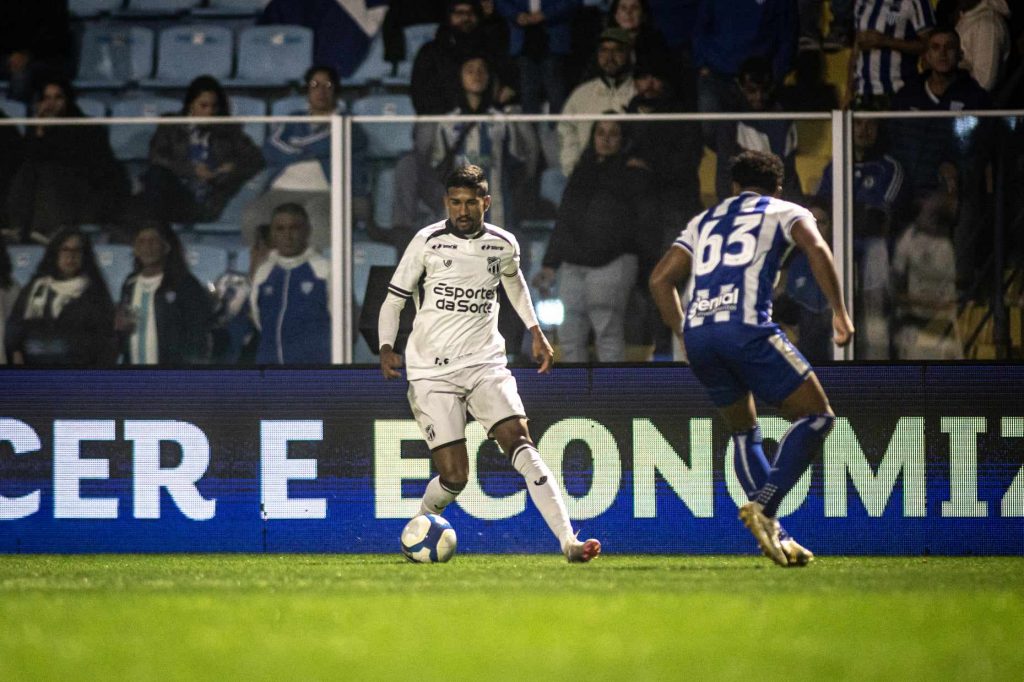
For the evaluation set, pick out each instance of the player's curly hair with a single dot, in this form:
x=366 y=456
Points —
x=762 y=170
x=469 y=176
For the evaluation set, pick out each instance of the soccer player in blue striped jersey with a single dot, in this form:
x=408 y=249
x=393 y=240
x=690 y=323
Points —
x=730 y=256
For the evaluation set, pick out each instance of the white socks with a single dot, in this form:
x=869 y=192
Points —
x=438 y=496
x=543 y=491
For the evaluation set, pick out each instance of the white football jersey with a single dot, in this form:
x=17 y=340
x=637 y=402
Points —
x=454 y=282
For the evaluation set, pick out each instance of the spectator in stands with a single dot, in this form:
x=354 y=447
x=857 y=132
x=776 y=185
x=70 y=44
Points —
x=540 y=40
x=880 y=201
x=35 y=39
x=508 y=151
x=606 y=233
x=610 y=91
x=671 y=150
x=985 y=37
x=754 y=92
x=290 y=297
x=64 y=315
x=298 y=157
x=650 y=50
x=436 y=83
x=69 y=175
x=924 y=285
x=195 y=169
x=402 y=13
x=800 y=304
x=890 y=37
x=9 y=289
x=728 y=32
x=840 y=32
x=165 y=314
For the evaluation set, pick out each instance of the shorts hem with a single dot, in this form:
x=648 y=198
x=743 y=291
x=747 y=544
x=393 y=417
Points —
x=490 y=432
x=444 y=445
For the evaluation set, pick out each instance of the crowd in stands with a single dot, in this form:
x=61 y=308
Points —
x=612 y=193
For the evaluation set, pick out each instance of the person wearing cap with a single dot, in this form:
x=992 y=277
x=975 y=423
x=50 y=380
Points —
x=540 y=40
x=611 y=90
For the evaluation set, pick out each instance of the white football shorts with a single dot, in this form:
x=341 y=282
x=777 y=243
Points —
x=440 y=404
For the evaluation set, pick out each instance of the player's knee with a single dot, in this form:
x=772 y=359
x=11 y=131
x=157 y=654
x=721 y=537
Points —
x=456 y=485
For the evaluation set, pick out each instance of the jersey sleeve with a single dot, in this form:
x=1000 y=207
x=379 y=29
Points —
x=790 y=215
x=687 y=239
x=400 y=288
x=510 y=264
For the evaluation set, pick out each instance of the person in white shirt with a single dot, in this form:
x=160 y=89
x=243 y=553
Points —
x=984 y=39
x=455 y=359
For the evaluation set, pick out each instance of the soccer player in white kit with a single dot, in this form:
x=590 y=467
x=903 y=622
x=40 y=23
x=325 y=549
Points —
x=455 y=357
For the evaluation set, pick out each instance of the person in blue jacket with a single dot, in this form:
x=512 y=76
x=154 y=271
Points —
x=290 y=295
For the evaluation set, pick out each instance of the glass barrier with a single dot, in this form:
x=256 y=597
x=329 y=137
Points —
x=936 y=221
x=930 y=257
x=593 y=203
x=143 y=241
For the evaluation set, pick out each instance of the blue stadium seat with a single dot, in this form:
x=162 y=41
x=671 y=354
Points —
x=13 y=108
x=365 y=254
x=132 y=141
x=24 y=260
x=244 y=105
x=185 y=52
x=273 y=56
x=114 y=55
x=93 y=108
x=416 y=36
x=230 y=219
x=231 y=8
x=552 y=185
x=384 y=198
x=373 y=68
x=116 y=263
x=93 y=8
x=207 y=262
x=385 y=140
x=159 y=7
x=238 y=259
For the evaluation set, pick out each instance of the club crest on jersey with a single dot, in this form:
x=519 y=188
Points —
x=307 y=287
x=494 y=265
x=447 y=262
x=431 y=434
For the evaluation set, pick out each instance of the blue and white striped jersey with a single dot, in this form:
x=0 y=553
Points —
x=884 y=71
x=737 y=248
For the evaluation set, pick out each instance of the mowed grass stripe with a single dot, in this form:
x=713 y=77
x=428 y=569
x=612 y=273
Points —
x=507 y=617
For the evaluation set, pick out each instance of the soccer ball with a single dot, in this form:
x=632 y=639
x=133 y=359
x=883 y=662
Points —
x=428 y=539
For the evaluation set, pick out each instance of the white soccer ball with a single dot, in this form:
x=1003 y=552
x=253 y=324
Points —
x=428 y=539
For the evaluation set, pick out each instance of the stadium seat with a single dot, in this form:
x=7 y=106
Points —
x=243 y=105
x=185 y=52
x=207 y=262
x=385 y=140
x=230 y=219
x=364 y=255
x=238 y=259
x=159 y=7
x=373 y=68
x=93 y=108
x=24 y=260
x=132 y=141
x=93 y=8
x=231 y=8
x=113 y=56
x=416 y=36
x=384 y=198
x=116 y=262
x=273 y=56
x=13 y=108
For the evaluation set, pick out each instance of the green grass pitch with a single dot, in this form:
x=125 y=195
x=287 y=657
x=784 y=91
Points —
x=516 y=617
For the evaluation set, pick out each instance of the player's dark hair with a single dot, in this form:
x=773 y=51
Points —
x=762 y=170
x=292 y=209
x=469 y=176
